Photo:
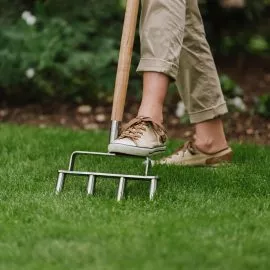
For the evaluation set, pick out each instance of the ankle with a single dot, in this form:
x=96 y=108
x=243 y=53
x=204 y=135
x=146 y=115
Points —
x=154 y=113
x=210 y=136
x=210 y=145
x=152 y=110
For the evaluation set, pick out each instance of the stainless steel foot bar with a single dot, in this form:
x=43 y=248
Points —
x=92 y=176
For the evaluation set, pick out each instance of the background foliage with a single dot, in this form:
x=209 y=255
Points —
x=70 y=53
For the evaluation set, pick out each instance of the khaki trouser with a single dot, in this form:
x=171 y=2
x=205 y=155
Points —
x=173 y=42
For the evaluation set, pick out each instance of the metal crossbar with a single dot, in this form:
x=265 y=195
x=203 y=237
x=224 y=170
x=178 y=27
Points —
x=92 y=176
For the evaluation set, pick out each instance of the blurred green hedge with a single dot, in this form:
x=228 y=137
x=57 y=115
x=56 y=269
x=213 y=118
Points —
x=68 y=50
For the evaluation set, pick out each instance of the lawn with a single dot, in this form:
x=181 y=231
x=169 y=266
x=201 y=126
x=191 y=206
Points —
x=201 y=218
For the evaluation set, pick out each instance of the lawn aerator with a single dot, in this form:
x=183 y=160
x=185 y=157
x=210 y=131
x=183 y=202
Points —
x=122 y=78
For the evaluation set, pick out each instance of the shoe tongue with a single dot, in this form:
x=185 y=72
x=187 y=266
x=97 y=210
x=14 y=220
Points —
x=148 y=120
x=151 y=123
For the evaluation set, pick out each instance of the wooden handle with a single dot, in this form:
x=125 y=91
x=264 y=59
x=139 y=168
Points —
x=125 y=56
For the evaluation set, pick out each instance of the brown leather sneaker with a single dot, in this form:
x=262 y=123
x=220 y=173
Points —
x=140 y=137
x=190 y=155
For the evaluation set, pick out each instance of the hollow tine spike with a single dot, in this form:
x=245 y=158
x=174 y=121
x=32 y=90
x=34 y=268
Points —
x=60 y=183
x=153 y=188
x=121 y=189
x=148 y=165
x=91 y=185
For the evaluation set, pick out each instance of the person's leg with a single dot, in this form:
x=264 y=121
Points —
x=161 y=31
x=199 y=85
x=155 y=86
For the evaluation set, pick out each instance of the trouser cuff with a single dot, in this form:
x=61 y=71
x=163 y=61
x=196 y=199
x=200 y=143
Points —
x=208 y=114
x=158 y=65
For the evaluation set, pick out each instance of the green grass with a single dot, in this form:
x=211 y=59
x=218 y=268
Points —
x=202 y=218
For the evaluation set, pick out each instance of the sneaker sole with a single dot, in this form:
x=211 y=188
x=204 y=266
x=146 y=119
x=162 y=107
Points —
x=134 y=150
